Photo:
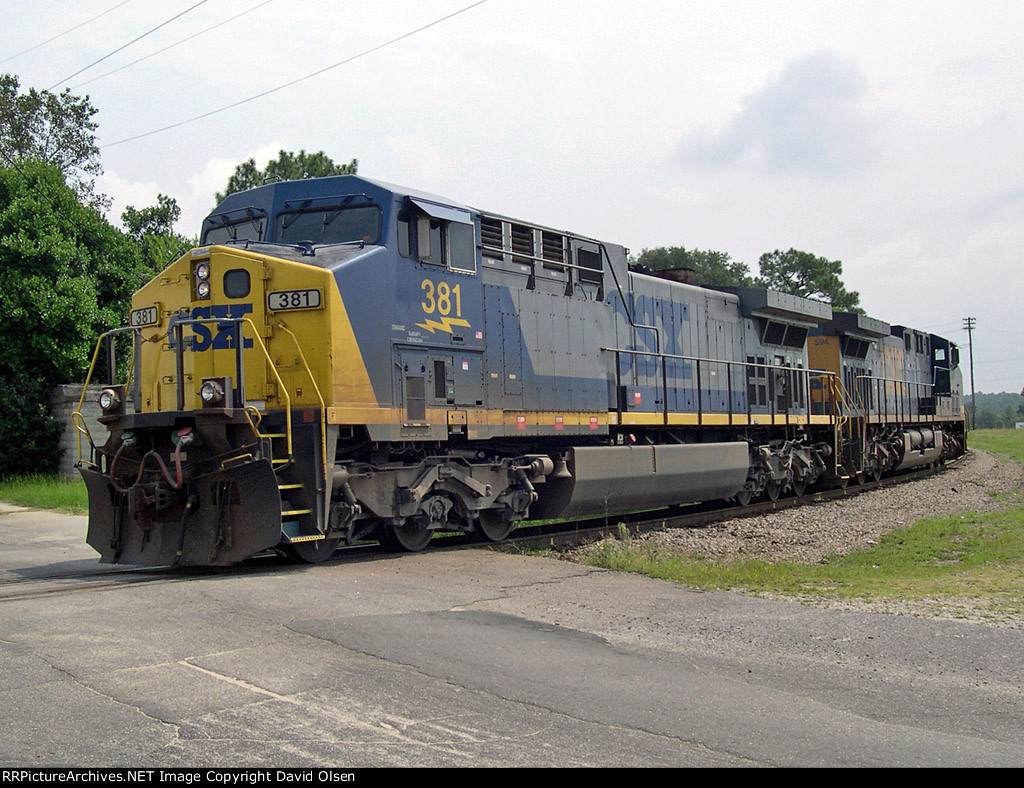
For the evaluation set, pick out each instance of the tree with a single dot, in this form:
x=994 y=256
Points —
x=57 y=129
x=152 y=229
x=157 y=219
x=809 y=276
x=66 y=275
x=286 y=167
x=711 y=268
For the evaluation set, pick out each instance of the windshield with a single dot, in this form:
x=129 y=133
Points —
x=330 y=225
x=245 y=230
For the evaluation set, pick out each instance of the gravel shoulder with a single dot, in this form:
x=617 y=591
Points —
x=982 y=482
x=807 y=534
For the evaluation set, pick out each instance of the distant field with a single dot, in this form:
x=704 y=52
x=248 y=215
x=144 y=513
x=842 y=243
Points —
x=45 y=492
x=1009 y=443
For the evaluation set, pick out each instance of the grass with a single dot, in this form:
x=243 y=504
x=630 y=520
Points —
x=1007 y=443
x=970 y=555
x=976 y=557
x=45 y=492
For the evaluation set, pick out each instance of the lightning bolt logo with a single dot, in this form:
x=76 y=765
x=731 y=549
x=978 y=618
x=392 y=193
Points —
x=446 y=325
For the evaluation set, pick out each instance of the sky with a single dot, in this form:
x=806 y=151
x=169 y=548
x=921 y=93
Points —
x=888 y=135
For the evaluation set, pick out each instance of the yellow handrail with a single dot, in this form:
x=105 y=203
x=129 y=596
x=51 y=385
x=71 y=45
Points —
x=280 y=386
x=319 y=396
x=83 y=429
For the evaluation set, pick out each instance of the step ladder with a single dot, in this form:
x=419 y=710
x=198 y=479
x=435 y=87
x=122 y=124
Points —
x=851 y=425
x=298 y=514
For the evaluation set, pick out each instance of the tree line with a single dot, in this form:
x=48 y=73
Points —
x=794 y=272
x=1000 y=411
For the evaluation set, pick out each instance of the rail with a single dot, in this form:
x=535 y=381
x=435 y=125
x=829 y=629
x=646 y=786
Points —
x=77 y=419
x=798 y=400
x=850 y=409
x=901 y=398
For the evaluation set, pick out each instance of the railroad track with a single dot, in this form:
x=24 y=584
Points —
x=548 y=535
x=567 y=534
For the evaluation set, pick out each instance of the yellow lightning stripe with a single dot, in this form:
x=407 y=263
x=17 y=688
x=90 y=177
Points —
x=446 y=324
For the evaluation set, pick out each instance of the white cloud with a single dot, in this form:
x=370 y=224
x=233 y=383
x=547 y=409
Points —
x=811 y=119
x=212 y=179
x=124 y=192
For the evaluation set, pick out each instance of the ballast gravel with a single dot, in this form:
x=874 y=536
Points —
x=981 y=482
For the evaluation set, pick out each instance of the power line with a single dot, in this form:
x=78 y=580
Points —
x=296 y=81
x=138 y=38
x=69 y=30
x=172 y=46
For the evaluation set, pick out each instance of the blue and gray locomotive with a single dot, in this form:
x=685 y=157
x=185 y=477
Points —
x=343 y=359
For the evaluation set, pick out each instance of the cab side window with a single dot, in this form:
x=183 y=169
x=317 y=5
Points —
x=437 y=241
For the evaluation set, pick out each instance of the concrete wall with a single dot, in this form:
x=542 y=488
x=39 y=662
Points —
x=63 y=401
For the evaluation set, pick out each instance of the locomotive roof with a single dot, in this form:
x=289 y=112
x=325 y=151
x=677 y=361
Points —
x=272 y=198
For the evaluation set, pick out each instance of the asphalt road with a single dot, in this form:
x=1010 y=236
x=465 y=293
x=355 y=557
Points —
x=472 y=658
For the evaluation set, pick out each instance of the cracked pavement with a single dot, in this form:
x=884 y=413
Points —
x=479 y=659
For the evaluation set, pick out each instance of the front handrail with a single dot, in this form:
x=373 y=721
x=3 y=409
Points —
x=76 y=416
x=177 y=345
x=323 y=421
x=280 y=383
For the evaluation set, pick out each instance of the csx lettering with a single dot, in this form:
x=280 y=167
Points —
x=439 y=298
x=224 y=339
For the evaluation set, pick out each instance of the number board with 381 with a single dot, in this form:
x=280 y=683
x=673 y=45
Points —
x=293 y=299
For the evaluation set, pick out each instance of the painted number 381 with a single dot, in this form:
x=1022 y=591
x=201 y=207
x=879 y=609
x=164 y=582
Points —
x=441 y=299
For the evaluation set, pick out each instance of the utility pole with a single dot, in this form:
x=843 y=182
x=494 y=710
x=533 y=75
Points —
x=970 y=324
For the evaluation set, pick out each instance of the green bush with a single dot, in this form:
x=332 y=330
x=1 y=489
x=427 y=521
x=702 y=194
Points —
x=66 y=275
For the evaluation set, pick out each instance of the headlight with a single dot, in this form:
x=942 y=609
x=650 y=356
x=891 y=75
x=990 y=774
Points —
x=110 y=401
x=212 y=392
x=201 y=278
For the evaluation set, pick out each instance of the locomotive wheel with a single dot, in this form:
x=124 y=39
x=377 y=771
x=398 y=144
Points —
x=312 y=552
x=772 y=491
x=799 y=488
x=743 y=497
x=492 y=526
x=409 y=538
